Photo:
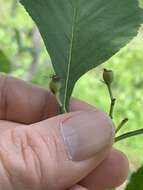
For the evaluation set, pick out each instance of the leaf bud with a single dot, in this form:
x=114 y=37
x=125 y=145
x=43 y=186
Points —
x=55 y=84
x=108 y=76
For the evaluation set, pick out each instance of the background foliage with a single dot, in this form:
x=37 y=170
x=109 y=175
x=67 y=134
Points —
x=22 y=54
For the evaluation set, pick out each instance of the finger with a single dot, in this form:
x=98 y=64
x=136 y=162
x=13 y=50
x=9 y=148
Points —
x=23 y=102
x=79 y=105
x=85 y=146
x=57 y=153
x=111 y=173
x=78 y=187
x=5 y=125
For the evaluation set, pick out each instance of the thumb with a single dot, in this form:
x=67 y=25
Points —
x=56 y=153
x=76 y=143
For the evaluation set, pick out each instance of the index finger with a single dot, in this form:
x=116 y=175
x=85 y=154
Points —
x=26 y=103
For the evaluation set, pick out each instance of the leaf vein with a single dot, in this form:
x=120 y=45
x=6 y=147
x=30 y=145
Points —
x=70 y=55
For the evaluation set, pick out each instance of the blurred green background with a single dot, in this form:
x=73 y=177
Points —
x=23 y=55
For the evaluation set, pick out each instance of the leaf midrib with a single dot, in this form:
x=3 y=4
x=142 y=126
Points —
x=70 y=55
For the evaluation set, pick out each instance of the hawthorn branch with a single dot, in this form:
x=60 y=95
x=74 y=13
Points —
x=35 y=53
x=113 y=101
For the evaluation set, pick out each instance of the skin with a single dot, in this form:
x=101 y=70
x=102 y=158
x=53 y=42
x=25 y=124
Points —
x=25 y=109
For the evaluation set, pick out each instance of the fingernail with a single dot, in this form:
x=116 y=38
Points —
x=85 y=134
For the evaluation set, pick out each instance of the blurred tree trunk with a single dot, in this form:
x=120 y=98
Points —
x=36 y=48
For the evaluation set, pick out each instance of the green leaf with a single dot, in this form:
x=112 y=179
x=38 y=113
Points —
x=136 y=181
x=81 y=34
x=4 y=63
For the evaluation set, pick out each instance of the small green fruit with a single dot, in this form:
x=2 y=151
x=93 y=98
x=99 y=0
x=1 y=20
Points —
x=108 y=76
x=55 y=84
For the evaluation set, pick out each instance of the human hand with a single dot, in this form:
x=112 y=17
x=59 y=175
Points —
x=42 y=151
